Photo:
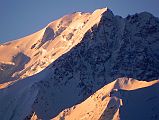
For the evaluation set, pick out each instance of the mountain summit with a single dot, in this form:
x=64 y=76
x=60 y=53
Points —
x=83 y=66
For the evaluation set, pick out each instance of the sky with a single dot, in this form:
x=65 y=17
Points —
x=19 y=18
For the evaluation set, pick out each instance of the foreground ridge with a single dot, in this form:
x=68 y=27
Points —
x=109 y=103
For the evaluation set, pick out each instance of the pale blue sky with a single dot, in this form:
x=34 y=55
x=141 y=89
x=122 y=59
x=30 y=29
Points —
x=19 y=18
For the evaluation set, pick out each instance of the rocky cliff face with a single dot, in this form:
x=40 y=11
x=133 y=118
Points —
x=104 y=47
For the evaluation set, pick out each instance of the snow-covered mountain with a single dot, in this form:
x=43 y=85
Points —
x=83 y=66
x=29 y=55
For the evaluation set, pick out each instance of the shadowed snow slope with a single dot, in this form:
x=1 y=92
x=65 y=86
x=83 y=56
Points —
x=76 y=58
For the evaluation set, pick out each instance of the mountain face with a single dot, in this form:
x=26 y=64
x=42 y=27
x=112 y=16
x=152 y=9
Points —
x=90 y=66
